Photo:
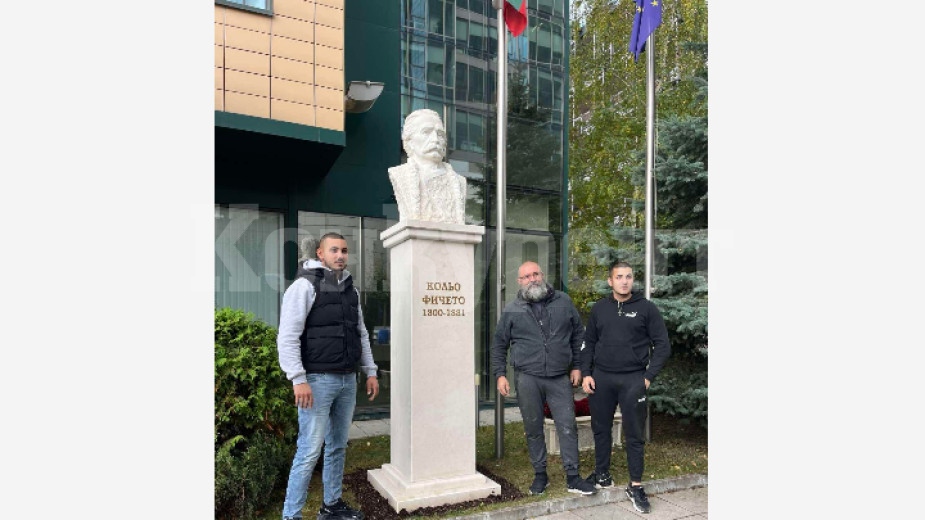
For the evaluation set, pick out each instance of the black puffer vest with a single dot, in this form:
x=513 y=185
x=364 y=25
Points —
x=330 y=341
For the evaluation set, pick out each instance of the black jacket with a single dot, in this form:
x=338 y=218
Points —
x=330 y=341
x=536 y=350
x=618 y=337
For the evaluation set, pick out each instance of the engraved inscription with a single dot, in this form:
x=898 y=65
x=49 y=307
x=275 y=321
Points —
x=443 y=305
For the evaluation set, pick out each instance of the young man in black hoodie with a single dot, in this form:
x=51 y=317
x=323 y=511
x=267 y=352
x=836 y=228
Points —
x=616 y=368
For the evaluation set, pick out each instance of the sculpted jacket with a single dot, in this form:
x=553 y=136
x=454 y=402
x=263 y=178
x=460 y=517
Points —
x=443 y=199
x=545 y=347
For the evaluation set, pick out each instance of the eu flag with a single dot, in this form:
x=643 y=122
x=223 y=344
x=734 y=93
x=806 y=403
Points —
x=648 y=17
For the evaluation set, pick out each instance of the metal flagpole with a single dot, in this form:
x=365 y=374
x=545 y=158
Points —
x=501 y=202
x=650 y=186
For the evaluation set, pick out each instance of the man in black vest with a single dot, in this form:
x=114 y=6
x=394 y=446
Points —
x=321 y=341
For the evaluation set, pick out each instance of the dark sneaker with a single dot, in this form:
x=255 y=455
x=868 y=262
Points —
x=540 y=483
x=339 y=509
x=600 y=481
x=637 y=496
x=581 y=486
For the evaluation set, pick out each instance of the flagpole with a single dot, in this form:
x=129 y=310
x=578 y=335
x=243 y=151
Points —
x=650 y=186
x=501 y=202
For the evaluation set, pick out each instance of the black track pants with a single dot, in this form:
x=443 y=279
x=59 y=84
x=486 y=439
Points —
x=629 y=391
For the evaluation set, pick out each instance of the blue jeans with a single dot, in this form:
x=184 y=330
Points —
x=327 y=421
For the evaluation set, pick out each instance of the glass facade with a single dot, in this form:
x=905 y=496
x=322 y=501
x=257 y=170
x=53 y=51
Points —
x=449 y=65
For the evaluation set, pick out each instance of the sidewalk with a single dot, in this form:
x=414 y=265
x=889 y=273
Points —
x=671 y=499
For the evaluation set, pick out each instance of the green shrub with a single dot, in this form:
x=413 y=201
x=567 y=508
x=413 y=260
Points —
x=251 y=392
x=681 y=390
x=255 y=421
x=245 y=482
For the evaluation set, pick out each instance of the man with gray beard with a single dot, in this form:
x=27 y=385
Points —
x=544 y=332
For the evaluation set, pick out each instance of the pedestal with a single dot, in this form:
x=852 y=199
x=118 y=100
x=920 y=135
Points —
x=432 y=423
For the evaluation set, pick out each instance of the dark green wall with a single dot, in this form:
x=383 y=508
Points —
x=344 y=172
x=358 y=183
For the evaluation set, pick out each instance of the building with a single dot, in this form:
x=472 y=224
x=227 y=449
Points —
x=291 y=163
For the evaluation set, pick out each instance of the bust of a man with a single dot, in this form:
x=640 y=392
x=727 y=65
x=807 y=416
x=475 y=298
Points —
x=426 y=187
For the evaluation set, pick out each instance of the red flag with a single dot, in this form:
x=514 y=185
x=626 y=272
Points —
x=516 y=20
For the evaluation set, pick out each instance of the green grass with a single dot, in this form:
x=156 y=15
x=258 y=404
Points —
x=676 y=449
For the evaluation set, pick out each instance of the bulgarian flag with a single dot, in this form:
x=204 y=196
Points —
x=516 y=19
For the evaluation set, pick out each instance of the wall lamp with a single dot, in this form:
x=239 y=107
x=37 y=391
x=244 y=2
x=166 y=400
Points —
x=361 y=95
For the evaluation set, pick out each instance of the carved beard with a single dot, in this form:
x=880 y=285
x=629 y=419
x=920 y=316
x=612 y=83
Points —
x=535 y=291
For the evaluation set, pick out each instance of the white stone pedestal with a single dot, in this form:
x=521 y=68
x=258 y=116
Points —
x=432 y=424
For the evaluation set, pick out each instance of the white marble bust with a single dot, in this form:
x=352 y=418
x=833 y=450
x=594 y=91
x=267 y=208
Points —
x=426 y=187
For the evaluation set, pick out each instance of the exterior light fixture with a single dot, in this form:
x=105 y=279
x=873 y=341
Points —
x=361 y=95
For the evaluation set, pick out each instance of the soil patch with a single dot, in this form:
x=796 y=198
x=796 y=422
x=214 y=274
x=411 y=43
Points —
x=376 y=507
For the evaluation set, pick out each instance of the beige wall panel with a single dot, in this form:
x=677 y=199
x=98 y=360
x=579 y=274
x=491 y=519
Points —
x=247 y=83
x=247 y=40
x=329 y=37
x=329 y=98
x=293 y=49
x=292 y=112
x=329 y=16
x=246 y=20
x=247 y=61
x=219 y=56
x=219 y=100
x=293 y=28
x=331 y=3
x=246 y=104
x=219 y=34
x=219 y=14
x=328 y=57
x=219 y=78
x=292 y=91
x=302 y=9
x=330 y=78
x=331 y=119
x=291 y=69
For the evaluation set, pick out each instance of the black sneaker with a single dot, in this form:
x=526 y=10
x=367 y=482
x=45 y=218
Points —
x=339 y=509
x=600 y=481
x=540 y=483
x=637 y=496
x=579 y=485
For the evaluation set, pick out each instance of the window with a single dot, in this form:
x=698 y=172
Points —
x=249 y=261
x=476 y=84
x=557 y=44
x=435 y=16
x=435 y=57
x=462 y=78
x=368 y=264
x=257 y=6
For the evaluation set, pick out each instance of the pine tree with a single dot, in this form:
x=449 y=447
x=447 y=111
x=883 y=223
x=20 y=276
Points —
x=679 y=281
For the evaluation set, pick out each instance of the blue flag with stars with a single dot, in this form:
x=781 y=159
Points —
x=648 y=17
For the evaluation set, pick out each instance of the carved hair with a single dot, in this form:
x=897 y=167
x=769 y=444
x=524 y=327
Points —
x=412 y=122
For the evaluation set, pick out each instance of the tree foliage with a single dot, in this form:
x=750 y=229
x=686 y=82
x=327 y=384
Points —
x=255 y=422
x=607 y=178
x=607 y=134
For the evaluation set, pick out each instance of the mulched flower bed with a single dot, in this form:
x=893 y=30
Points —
x=376 y=507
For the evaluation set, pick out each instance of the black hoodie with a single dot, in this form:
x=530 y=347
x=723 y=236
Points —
x=618 y=336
